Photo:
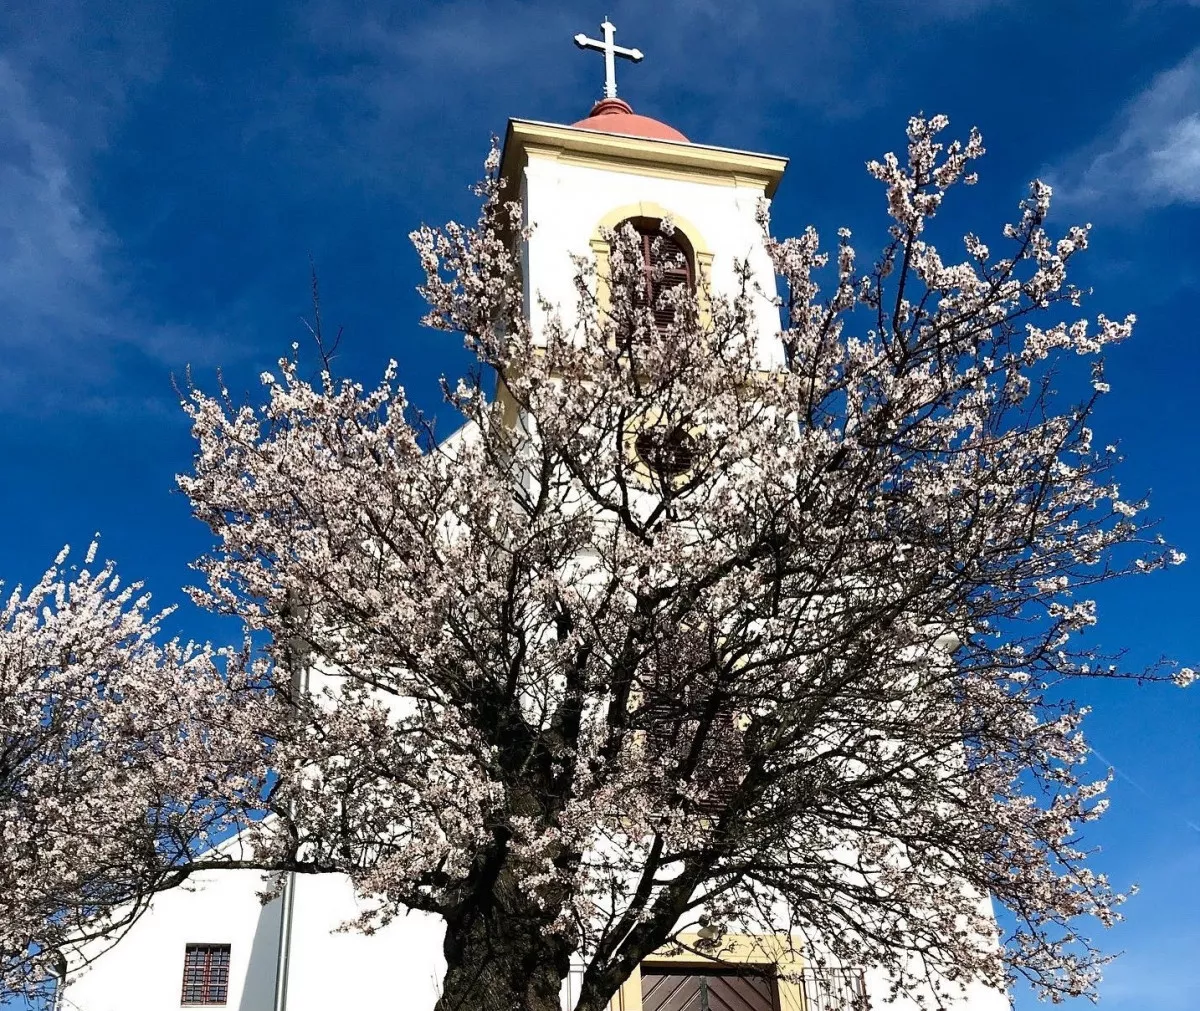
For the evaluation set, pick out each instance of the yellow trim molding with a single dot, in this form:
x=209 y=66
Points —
x=670 y=159
x=649 y=209
x=778 y=950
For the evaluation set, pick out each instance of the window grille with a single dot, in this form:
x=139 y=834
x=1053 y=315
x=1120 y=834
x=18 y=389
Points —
x=829 y=989
x=205 y=974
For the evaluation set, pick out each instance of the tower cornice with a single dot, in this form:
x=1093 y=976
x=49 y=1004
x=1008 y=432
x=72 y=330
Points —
x=648 y=156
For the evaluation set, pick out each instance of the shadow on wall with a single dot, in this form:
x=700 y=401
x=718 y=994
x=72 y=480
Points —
x=258 y=988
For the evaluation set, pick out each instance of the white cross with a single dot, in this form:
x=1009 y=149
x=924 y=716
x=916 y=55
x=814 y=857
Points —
x=610 y=50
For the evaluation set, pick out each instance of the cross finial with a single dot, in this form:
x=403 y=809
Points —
x=611 y=51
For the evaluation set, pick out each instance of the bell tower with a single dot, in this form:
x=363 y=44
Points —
x=614 y=165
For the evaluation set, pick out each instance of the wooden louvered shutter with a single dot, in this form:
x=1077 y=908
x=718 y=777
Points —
x=664 y=252
x=672 y=721
x=666 y=450
x=724 y=751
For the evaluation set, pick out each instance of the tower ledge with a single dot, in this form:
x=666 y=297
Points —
x=634 y=153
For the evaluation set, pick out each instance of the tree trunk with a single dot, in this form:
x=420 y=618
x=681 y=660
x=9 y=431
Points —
x=502 y=958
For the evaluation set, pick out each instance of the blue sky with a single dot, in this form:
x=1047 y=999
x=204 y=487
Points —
x=167 y=170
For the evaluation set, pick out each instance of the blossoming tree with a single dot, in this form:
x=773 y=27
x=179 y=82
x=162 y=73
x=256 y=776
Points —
x=669 y=638
x=109 y=776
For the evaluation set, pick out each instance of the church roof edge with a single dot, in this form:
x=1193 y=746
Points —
x=639 y=152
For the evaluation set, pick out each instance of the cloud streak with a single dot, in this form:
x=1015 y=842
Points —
x=50 y=249
x=403 y=67
x=67 y=312
x=1149 y=157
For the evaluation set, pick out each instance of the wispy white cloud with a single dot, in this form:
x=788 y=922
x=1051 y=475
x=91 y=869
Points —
x=50 y=247
x=66 y=309
x=1149 y=156
x=1174 y=165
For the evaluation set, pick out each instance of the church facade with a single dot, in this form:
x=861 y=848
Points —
x=214 y=942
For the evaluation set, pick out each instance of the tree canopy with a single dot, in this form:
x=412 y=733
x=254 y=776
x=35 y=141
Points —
x=670 y=634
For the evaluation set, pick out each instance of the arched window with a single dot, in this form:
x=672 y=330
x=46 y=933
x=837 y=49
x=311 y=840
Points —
x=670 y=256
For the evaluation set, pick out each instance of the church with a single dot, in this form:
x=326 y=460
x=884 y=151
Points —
x=213 y=942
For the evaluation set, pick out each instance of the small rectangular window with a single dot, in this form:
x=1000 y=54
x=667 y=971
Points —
x=206 y=974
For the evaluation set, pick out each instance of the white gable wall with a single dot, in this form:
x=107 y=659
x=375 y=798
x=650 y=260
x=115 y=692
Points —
x=399 y=967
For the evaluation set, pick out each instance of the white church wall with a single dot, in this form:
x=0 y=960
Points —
x=974 y=997
x=815 y=958
x=398 y=967
x=144 y=970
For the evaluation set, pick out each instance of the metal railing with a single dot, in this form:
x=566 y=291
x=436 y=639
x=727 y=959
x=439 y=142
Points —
x=839 y=989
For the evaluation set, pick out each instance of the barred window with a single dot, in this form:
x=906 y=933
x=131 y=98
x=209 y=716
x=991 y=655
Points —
x=834 y=989
x=205 y=974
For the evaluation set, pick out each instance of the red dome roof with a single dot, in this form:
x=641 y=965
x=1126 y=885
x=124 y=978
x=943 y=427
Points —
x=612 y=115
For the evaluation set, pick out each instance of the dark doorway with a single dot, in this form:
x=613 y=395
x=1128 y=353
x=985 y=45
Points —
x=680 y=989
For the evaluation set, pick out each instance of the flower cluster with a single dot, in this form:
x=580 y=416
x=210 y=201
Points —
x=120 y=757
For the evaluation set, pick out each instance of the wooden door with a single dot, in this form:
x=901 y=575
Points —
x=683 y=989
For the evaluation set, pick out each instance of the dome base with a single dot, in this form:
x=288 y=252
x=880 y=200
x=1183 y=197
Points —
x=614 y=115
